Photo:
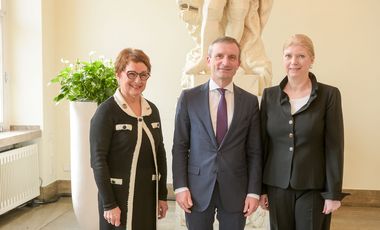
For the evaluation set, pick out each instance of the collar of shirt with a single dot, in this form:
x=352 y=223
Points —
x=214 y=86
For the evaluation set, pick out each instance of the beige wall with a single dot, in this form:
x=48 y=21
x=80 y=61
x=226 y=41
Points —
x=24 y=60
x=345 y=33
x=26 y=70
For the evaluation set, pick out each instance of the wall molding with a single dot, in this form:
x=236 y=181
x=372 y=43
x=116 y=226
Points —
x=359 y=198
x=57 y=188
x=362 y=198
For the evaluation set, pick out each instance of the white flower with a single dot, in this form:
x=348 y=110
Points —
x=64 y=61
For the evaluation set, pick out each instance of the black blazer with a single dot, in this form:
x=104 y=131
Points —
x=304 y=150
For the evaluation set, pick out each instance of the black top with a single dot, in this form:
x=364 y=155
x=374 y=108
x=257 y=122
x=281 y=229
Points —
x=304 y=150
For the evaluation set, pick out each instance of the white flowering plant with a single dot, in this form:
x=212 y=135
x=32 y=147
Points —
x=92 y=80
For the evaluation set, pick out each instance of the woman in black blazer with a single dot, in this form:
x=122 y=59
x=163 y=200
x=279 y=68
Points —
x=127 y=151
x=302 y=126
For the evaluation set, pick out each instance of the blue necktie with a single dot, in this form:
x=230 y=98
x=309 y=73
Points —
x=221 y=117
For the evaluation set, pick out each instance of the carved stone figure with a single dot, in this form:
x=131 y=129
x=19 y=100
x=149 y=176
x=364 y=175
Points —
x=243 y=20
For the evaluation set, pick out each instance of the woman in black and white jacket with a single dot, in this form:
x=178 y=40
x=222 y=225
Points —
x=127 y=151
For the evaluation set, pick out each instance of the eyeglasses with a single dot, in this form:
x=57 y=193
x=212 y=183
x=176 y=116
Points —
x=133 y=75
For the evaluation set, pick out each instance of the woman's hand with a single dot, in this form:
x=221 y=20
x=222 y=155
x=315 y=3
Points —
x=113 y=216
x=162 y=209
x=331 y=206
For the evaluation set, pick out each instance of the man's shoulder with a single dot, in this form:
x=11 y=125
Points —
x=243 y=92
x=272 y=91
x=196 y=89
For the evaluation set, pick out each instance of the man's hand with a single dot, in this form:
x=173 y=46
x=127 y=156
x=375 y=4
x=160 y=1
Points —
x=331 y=206
x=264 y=202
x=184 y=200
x=113 y=216
x=250 y=205
x=162 y=209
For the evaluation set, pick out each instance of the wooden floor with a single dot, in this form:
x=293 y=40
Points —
x=60 y=216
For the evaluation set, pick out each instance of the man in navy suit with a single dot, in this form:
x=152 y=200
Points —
x=211 y=173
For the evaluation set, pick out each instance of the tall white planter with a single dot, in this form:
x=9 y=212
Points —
x=83 y=187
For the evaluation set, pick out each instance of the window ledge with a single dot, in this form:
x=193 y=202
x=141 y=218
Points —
x=18 y=135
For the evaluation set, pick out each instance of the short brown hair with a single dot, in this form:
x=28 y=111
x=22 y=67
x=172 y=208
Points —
x=224 y=39
x=130 y=54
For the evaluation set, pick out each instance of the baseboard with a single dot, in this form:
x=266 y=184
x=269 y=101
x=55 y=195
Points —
x=359 y=198
x=48 y=192
x=362 y=198
x=55 y=189
x=171 y=195
x=64 y=187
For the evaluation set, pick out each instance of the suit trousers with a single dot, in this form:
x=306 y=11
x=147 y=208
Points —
x=204 y=220
x=291 y=209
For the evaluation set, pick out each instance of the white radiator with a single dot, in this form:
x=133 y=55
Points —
x=19 y=177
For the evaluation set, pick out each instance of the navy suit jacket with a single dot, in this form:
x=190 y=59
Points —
x=198 y=161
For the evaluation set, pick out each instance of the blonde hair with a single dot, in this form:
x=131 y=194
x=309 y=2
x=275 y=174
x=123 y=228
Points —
x=301 y=40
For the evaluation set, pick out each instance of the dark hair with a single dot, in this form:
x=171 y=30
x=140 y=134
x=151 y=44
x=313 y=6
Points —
x=224 y=39
x=134 y=55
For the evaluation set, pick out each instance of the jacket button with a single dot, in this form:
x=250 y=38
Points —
x=291 y=149
x=290 y=122
x=290 y=135
x=140 y=119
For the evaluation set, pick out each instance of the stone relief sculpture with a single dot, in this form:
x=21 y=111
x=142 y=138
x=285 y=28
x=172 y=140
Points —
x=243 y=20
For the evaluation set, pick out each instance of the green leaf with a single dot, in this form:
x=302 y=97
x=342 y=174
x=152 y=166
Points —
x=86 y=81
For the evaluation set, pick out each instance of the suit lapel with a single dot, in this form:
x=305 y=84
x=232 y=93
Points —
x=205 y=111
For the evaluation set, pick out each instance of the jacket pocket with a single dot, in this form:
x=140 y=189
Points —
x=117 y=181
x=119 y=127
x=193 y=170
x=155 y=125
